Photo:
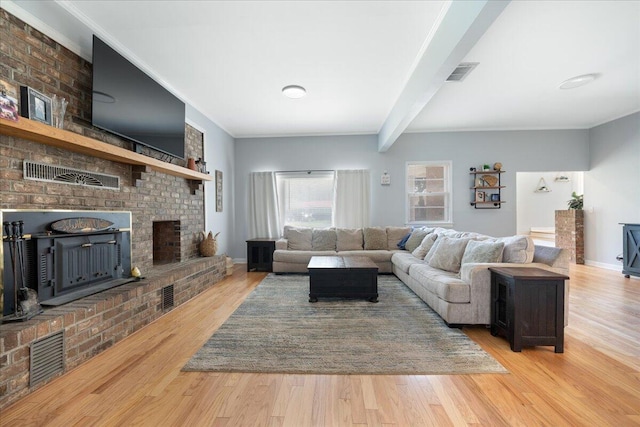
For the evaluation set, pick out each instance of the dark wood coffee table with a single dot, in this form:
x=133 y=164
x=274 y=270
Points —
x=344 y=277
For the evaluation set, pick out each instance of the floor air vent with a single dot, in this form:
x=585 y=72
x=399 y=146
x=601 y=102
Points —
x=47 y=358
x=43 y=172
x=167 y=298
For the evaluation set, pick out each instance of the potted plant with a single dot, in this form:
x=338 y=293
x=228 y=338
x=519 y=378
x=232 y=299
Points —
x=576 y=202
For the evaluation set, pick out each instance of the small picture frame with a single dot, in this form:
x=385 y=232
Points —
x=495 y=197
x=35 y=105
x=480 y=196
x=8 y=101
x=218 y=191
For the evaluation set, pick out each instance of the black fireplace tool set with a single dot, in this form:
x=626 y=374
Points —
x=25 y=299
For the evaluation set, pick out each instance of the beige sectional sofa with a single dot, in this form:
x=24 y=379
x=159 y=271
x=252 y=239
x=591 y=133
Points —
x=446 y=268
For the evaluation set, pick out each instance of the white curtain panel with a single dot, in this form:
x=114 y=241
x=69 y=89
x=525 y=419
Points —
x=264 y=218
x=352 y=199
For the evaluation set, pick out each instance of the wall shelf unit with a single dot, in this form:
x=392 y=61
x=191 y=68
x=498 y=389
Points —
x=486 y=189
x=60 y=138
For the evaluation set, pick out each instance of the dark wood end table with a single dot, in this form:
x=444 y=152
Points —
x=527 y=306
x=260 y=254
x=345 y=277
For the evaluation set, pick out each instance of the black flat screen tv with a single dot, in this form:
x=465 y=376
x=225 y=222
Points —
x=129 y=103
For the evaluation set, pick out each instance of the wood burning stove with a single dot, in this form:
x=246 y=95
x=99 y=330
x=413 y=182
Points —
x=63 y=267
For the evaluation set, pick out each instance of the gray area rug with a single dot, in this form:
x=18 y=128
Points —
x=276 y=330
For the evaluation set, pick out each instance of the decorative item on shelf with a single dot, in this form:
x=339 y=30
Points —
x=201 y=165
x=481 y=196
x=562 y=178
x=135 y=272
x=191 y=164
x=542 y=186
x=385 y=179
x=209 y=244
x=35 y=105
x=486 y=167
x=497 y=166
x=59 y=108
x=495 y=197
x=8 y=102
x=490 y=180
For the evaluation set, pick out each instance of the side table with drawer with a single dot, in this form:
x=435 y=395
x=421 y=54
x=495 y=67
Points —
x=260 y=254
x=527 y=306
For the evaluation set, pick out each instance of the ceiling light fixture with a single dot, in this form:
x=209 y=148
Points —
x=294 y=91
x=578 y=81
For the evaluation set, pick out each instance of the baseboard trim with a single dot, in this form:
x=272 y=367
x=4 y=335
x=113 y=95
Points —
x=614 y=267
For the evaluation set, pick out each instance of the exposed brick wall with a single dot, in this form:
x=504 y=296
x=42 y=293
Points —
x=570 y=233
x=95 y=323
x=27 y=57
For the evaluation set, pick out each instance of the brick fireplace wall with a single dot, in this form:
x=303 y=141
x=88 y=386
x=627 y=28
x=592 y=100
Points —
x=90 y=325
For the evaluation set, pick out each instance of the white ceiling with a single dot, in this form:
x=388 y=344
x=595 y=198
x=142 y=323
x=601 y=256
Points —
x=230 y=59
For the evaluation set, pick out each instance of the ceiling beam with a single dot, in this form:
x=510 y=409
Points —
x=462 y=25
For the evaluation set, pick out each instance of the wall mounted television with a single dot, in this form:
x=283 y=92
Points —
x=129 y=103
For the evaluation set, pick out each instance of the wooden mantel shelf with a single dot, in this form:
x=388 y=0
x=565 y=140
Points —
x=60 y=138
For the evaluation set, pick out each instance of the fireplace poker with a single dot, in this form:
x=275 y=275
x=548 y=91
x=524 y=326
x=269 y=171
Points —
x=20 y=245
x=11 y=229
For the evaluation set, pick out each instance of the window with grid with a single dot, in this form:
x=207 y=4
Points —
x=306 y=199
x=428 y=193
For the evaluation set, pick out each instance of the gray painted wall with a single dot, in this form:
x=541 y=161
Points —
x=612 y=188
x=526 y=151
x=219 y=155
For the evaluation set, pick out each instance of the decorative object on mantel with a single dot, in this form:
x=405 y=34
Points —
x=562 y=178
x=209 y=244
x=35 y=105
x=59 y=108
x=542 y=186
x=81 y=225
x=191 y=163
x=8 y=102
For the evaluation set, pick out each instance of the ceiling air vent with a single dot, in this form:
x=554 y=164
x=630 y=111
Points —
x=462 y=71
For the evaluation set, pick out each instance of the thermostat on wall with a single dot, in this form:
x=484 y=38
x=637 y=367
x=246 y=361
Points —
x=385 y=179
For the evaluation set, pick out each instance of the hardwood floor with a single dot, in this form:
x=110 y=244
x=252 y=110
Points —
x=595 y=382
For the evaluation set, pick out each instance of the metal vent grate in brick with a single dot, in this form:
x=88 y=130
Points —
x=167 y=298
x=47 y=358
x=43 y=172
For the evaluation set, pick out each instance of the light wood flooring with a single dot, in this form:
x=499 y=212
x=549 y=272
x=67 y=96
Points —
x=596 y=382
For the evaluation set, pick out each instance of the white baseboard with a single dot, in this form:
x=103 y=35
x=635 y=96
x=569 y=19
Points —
x=239 y=260
x=615 y=267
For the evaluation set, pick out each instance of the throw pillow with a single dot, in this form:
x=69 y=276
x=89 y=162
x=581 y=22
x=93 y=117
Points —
x=403 y=242
x=375 y=238
x=424 y=246
x=448 y=254
x=517 y=249
x=299 y=239
x=415 y=238
x=477 y=251
x=433 y=248
x=323 y=239
x=394 y=235
x=349 y=239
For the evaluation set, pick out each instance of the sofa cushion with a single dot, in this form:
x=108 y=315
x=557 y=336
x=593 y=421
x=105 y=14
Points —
x=404 y=260
x=448 y=254
x=323 y=239
x=517 y=249
x=381 y=255
x=375 y=238
x=445 y=285
x=299 y=239
x=394 y=235
x=479 y=251
x=349 y=239
x=424 y=246
x=299 y=257
x=415 y=238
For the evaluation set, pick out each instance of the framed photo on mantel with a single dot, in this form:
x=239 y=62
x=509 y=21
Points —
x=35 y=106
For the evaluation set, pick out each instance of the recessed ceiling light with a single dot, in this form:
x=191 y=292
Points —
x=294 y=91
x=578 y=81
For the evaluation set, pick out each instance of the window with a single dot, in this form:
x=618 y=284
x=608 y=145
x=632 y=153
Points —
x=429 y=193
x=305 y=199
